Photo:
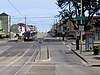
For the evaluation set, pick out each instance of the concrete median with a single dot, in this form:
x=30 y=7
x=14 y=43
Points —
x=43 y=55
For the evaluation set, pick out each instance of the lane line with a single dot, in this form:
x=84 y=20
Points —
x=3 y=50
x=16 y=59
x=26 y=63
x=66 y=45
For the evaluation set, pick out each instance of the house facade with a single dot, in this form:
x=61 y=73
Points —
x=93 y=28
x=96 y=27
x=5 y=22
x=18 y=29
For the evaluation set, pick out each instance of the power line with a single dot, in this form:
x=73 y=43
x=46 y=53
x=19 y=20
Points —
x=15 y=8
x=34 y=17
x=19 y=13
x=39 y=17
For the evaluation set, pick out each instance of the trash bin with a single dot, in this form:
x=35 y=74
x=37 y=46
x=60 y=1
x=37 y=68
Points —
x=95 y=49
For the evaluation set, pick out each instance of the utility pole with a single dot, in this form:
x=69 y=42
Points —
x=25 y=23
x=81 y=24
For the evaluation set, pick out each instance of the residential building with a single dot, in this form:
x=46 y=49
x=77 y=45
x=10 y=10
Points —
x=32 y=28
x=18 y=29
x=64 y=26
x=96 y=27
x=5 y=22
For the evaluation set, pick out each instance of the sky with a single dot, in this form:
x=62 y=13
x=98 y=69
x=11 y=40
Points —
x=38 y=12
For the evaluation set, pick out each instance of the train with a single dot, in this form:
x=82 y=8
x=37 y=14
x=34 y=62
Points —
x=29 y=35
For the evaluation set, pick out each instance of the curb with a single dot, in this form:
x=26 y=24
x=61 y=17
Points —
x=81 y=57
x=3 y=42
x=41 y=57
x=38 y=59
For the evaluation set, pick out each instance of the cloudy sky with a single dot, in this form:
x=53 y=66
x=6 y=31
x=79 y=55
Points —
x=38 y=12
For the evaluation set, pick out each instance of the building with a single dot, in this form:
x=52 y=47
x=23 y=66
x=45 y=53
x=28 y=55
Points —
x=32 y=28
x=65 y=26
x=18 y=29
x=5 y=22
x=96 y=27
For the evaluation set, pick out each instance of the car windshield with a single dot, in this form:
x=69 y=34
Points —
x=27 y=34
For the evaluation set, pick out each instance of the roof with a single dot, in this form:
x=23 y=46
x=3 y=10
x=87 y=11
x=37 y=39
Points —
x=4 y=14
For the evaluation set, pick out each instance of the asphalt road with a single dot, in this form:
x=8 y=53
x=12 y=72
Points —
x=14 y=56
x=17 y=58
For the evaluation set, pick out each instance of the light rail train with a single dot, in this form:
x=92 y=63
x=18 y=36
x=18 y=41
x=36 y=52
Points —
x=29 y=35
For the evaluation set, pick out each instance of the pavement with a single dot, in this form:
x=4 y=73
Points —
x=88 y=56
x=8 y=39
x=43 y=54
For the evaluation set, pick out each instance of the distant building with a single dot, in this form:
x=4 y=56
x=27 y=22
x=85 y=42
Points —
x=95 y=21
x=32 y=28
x=5 y=22
x=18 y=29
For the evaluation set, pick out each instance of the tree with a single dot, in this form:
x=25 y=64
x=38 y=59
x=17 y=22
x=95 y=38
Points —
x=79 y=8
x=72 y=8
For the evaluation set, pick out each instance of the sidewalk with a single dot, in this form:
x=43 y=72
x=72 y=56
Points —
x=88 y=56
x=3 y=41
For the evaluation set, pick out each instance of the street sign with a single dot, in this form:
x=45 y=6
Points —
x=81 y=28
x=77 y=33
x=81 y=18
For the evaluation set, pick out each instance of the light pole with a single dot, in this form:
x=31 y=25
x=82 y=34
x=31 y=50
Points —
x=81 y=24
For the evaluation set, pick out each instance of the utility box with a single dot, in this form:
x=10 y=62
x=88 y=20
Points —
x=95 y=50
x=89 y=43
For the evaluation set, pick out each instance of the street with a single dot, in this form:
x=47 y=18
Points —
x=18 y=58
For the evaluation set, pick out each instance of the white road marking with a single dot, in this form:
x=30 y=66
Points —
x=3 y=50
x=69 y=46
x=66 y=45
x=16 y=59
x=25 y=63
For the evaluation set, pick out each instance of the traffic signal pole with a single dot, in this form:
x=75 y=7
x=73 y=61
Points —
x=77 y=43
x=77 y=37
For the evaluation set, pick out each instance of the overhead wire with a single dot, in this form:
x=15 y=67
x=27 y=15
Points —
x=15 y=8
x=23 y=15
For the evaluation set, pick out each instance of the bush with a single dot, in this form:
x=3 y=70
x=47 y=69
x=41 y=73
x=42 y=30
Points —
x=2 y=36
x=71 y=38
x=99 y=48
